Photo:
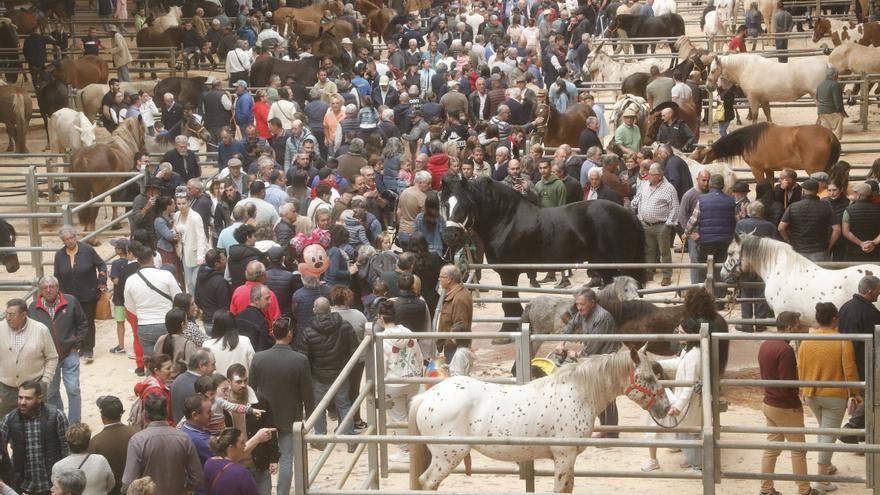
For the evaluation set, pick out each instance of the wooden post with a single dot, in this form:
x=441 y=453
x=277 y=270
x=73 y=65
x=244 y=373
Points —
x=863 y=106
x=172 y=64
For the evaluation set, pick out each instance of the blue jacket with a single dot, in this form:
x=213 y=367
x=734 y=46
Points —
x=433 y=236
x=717 y=217
x=225 y=152
x=337 y=268
x=244 y=109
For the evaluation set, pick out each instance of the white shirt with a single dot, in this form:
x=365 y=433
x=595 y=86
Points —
x=266 y=213
x=681 y=93
x=284 y=111
x=149 y=112
x=238 y=60
x=268 y=34
x=149 y=306
x=242 y=354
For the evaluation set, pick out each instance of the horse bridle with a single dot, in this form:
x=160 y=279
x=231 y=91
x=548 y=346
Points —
x=643 y=389
x=463 y=225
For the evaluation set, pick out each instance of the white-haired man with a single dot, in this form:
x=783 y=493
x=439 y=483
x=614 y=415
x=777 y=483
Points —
x=183 y=161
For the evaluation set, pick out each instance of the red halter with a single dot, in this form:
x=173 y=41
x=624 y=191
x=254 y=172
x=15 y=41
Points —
x=641 y=388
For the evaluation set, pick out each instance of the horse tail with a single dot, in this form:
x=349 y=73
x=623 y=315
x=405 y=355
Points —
x=834 y=155
x=419 y=455
x=22 y=113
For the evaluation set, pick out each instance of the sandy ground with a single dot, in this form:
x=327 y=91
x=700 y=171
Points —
x=114 y=374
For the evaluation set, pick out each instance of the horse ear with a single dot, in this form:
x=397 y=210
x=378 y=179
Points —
x=634 y=355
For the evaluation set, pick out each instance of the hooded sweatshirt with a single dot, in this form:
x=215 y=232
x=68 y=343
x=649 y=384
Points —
x=213 y=292
x=152 y=385
x=403 y=356
x=551 y=192
x=328 y=342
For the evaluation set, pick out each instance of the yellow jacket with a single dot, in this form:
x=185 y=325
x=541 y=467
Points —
x=827 y=360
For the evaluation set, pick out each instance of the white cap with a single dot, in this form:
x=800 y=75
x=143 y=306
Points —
x=383 y=81
x=346 y=41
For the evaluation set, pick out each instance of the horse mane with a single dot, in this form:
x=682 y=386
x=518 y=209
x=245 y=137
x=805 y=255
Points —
x=758 y=252
x=494 y=193
x=740 y=141
x=623 y=311
x=130 y=136
x=594 y=375
x=615 y=291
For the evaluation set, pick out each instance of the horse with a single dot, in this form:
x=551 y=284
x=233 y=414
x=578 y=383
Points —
x=636 y=26
x=687 y=51
x=850 y=57
x=70 y=130
x=190 y=126
x=637 y=83
x=688 y=112
x=715 y=31
x=185 y=90
x=211 y=9
x=768 y=147
x=715 y=168
x=169 y=20
x=417 y=5
x=118 y=156
x=151 y=37
x=378 y=17
x=548 y=315
x=339 y=28
x=791 y=281
x=564 y=128
x=88 y=99
x=327 y=45
x=312 y=13
x=601 y=67
x=305 y=70
x=9 y=57
x=26 y=20
x=867 y=34
x=663 y=7
x=515 y=230
x=307 y=31
x=764 y=80
x=483 y=409
x=15 y=111
x=81 y=72
x=52 y=95
x=7 y=239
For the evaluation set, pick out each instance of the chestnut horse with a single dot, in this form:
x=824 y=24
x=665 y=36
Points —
x=81 y=72
x=15 y=111
x=564 y=128
x=27 y=20
x=117 y=156
x=767 y=147
x=311 y=13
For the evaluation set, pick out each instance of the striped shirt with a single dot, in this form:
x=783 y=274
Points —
x=656 y=204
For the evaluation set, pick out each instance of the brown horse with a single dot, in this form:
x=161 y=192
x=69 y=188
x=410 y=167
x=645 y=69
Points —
x=327 y=46
x=305 y=71
x=867 y=34
x=312 y=13
x=689 y=113
x=308 y=31
x=150 y=37
x=339 y=28
x=564 y=128
x=414 y=5
x=379 y=20
x=15 y=107
x=128 y=139
x=81 y=72
x=27 y=20
x=767 y=147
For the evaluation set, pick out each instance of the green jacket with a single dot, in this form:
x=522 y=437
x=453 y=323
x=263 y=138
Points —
x=631 y=137
x=829 y=97
x=551 y=192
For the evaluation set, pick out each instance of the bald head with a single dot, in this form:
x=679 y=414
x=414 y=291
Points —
x=322 y=306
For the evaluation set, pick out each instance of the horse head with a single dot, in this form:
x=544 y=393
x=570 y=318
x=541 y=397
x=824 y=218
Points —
x=732 y=268
x=715 y=73
x=335 y=7
x=195 y=128
x=622 y=288
x=458 y=206
x=7 y=239
x=643 y=388
x=821 y=28
x=703 y=154
x=86 y=130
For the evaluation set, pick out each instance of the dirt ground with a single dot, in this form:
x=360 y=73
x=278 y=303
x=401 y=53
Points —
x=114 y=374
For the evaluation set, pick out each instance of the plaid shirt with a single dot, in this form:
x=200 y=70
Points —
x=36 y=477
x=19 y=337
x=656 y=204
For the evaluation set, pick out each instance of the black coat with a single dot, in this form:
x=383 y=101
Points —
x=328 y=342
x=588 y=139
x=239 y=256
x=251 y=323
x=411 y=312
x=267 y=452
x=283 y=283
x=186 y=166
x=289 y=397
x=171 y=117
x=605 y=192
x=858 y=315
x=212 y=292
x=68 y=328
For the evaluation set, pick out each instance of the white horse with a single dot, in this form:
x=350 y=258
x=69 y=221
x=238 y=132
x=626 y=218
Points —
x=853 y=57
x=481 y=409
x=601 y=67
x=714 y=168
x=764 y=80
x=88 y=99
x=792 y=282
x=720 y=24
x=662 y=7
x=171 y=19
x=70 y=130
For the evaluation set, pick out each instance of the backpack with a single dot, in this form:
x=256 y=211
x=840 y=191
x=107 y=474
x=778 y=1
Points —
x=136 y=414
x=385 y=261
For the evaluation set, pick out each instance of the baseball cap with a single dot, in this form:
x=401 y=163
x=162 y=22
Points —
x=810 y=185
x=233 y=162
x=121 y=243
x=110 y=406
x=276 y=253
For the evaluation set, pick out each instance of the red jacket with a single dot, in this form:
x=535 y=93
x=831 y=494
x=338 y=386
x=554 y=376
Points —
x=151 y=385
x=438 y=165
x=241 y=298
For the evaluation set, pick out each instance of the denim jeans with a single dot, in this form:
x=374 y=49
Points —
x=189 y=275
x=68 y=370
x=722 y=127
x=148 y=335
x=342 y=406
x=263 y=479
x=285 y=462
x=123 y=73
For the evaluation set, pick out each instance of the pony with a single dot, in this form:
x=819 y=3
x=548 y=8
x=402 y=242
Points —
x=565 y=127
x=7 y=239
x=70 y=130
x=52 y=95
x=768 y=147
x=10 y=60
x=169 y=20
x=601 y=67
x=548 y=315
x=791 y=281
x=307 y=31
x=189 y=126
x=88 y=99
x=81 y=72
x=491 y=410
x=118 y=156
x=764 y=80
x=850 y=57
x=515 y=230
x=626 y=101
x=305 y=71
x=15 y=111
x=636 y=26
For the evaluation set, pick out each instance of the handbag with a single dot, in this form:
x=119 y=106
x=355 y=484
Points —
x=104 y=306
x=718 y=115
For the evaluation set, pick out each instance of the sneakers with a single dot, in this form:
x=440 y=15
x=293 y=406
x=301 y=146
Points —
x=651 y=465
x=117 y=350
x=130 y=355
x=139 y=371
x=824 y=486
x=399 y=456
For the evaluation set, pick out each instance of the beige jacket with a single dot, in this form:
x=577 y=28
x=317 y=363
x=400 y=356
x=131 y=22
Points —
x=119 y=50
x=36 y=360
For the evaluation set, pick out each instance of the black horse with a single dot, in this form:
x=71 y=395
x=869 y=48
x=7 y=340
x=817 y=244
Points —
x=9 y=60
x=636 y=26
x=304 y=71
x=636 y=83
x=52 y=96
x=185 y=90
x=515 y=230
x=211 y=9
x=7 y=239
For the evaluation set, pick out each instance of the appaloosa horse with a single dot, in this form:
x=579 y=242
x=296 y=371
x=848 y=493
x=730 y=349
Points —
x=514 y=230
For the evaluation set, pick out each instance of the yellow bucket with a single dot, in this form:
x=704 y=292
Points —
x=546 y=365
